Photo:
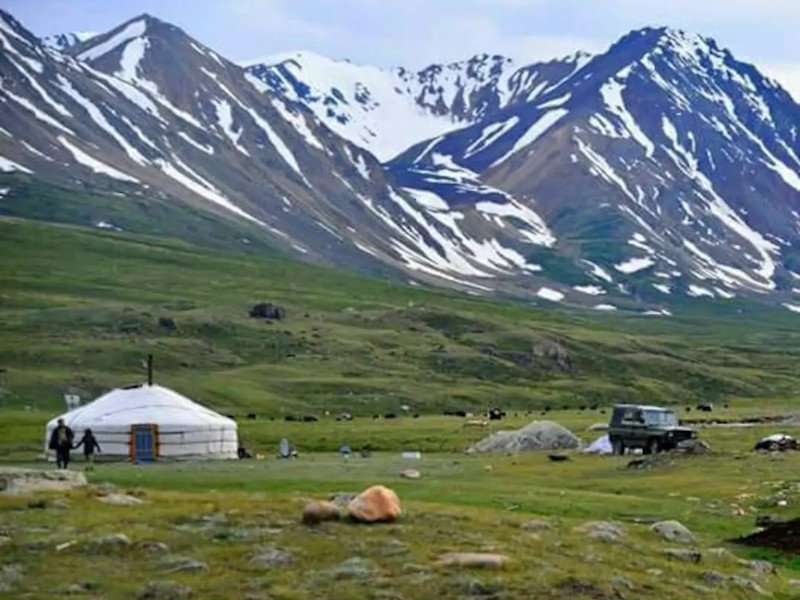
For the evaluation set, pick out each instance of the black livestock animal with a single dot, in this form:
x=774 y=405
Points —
x=310 y=419
x=267 y=310
x=496 y=414
x=390 y=416
x=251 y=416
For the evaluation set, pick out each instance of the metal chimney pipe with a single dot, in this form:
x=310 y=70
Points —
x=149 y=369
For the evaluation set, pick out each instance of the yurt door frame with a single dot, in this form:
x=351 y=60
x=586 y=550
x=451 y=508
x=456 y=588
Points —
x=144 y=442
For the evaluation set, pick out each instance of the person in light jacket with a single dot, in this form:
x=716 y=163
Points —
x=89 y=443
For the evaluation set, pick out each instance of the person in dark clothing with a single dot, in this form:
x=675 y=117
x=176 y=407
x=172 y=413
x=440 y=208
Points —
x=89 y=443
x=61 y=442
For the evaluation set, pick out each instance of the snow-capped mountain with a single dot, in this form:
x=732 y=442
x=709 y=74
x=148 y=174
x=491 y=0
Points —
x=144 y=110
x=665 y=163
x=63 y=41
x=658 y=171
x=386 y=111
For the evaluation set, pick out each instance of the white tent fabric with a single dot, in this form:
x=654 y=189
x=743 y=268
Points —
x=185 y=429
x=601 y=445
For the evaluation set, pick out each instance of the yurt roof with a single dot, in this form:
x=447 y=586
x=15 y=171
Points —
x=144 y=404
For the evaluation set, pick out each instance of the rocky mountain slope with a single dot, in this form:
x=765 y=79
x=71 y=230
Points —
x=658 y=172
x=385 y=112
x=665 y=164
x=144 y=110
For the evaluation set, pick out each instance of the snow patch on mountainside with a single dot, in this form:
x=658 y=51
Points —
x=278 y=143
x=133 y=30
x=203 y=147
x=612 y=96
x=95 y=165
x=298 y=121
x=32 y=80
x=225 y=121
x=591 y=290
x=488 y=255
x=35 y=111
x=663 y=288
x=359 y=163
x=534 y=132
x=98 y=117
x=363 y=104
x=538 y=233
x=490 y=134
x=200 y=186
x=550 y=294
x=605 y=307
x=428 y=199
x=7 y=165
x=634 y=265
x=699 y=291
x=598 y=271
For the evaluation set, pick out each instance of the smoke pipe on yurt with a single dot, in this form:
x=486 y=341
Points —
x=149 y=369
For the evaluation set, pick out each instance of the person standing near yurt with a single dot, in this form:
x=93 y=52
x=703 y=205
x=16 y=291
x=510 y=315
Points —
x=147 y=423
x=89 y=443
x=61 y=442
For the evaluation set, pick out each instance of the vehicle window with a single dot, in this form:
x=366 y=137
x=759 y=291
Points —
x=660 y=417
x=632 y=416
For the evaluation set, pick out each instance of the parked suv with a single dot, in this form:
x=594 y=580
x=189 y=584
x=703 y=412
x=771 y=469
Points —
x=651 y=428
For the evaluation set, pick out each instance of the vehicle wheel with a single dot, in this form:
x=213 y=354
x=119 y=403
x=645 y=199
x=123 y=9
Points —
x=618 y=447
x=651 y=447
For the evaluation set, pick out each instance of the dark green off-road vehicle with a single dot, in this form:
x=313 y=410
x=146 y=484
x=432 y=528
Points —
x=651 y=428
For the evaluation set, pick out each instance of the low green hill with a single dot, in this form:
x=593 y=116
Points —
x=83 y=307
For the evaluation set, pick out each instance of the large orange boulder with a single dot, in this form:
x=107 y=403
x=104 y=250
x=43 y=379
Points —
x=374 y=505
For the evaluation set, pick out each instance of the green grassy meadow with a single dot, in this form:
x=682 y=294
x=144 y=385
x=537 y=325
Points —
x=223 y=513
x=80 y=309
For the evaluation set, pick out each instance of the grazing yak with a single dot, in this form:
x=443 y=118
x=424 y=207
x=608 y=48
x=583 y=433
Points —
x=495 y=414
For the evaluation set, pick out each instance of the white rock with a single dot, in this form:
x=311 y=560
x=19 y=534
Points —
x=538 y=435
x=410 y=474
x=673 y=531
x=17 y=481
x=121 y=500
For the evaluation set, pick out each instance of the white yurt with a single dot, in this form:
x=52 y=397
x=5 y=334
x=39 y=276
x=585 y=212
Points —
x=149 y=422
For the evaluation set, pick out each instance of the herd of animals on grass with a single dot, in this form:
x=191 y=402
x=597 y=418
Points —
x=155 y=427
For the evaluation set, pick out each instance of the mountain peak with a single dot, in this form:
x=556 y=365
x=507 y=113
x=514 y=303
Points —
x=15 y=29
x=144 y=27
x=680 y=40
x=7 y=21
x=6 y=16
x=297 y=56
x=64 y=41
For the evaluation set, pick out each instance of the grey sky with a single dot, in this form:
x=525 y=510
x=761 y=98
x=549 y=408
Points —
x=414 y=33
